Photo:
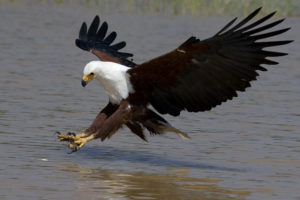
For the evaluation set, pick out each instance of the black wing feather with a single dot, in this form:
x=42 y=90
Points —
x=102 y=32
x=200 y=75
x=110 y=38
x=258 y=22
x=247 y=19
x=94 y=38
x=118 y=46
x=83 y=32
x=93 y=29
x=226 y=26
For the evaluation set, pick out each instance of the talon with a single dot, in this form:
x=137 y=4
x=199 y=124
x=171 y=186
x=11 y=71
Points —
x=73 y=150
x=70 y=136
x=71 y=133
x=63 y=137
x=76 y=141
x=76 y=145
x=81 y=143
x=57 y=133
x=71 y=146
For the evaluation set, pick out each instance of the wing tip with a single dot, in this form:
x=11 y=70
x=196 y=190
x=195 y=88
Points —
x=82 y=31
x=257 y=10
x=82 y=45
x=95 y=38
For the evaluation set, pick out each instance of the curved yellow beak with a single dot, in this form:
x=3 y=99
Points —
x=86 y=79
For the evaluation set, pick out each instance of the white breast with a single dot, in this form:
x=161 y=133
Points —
x=115 y=81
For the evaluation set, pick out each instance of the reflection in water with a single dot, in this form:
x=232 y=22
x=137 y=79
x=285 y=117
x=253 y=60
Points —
x=108 y=154
x=110 y=184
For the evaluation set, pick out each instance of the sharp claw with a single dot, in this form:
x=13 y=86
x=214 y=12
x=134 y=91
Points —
x=74 y=147
x=71 y=146
x=61 y=137
x=73 y=150
x=71 y=133
x=76 y=141
x=56 y=133
x=70 y=136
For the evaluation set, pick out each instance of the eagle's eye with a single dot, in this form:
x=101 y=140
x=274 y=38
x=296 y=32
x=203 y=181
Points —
x=92 y=74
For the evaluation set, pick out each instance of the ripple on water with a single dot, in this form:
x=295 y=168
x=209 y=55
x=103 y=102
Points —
x=248 y=148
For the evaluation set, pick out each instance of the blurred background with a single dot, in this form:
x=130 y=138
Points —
x=177 y=7
x=247 y=148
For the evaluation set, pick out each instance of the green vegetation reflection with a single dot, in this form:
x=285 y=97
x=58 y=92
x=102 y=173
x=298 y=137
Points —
x=94 y=183
x=180 y=7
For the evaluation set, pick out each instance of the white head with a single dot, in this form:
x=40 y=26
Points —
x=91 y=70
x=112 y=76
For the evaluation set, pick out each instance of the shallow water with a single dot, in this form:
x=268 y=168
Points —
x=247 y=148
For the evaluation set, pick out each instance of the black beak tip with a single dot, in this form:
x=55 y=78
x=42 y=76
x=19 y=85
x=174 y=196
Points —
x=83 y=83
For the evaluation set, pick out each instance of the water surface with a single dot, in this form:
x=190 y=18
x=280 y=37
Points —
x=247 y=148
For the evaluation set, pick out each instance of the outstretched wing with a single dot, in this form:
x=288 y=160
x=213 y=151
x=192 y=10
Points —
x=97 y=41
x=200 y=75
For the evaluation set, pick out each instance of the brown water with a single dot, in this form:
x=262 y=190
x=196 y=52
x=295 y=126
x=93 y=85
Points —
x=248 y=148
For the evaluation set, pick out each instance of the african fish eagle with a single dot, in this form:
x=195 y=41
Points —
x=196 y=76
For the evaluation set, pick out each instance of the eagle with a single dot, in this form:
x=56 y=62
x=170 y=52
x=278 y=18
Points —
x=196 y=76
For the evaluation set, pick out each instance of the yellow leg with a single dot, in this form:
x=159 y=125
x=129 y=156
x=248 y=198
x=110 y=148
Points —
x=70 y=136
x=80 y=142
x=76 y=141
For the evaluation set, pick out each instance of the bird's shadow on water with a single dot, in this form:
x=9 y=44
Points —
x=116 y=155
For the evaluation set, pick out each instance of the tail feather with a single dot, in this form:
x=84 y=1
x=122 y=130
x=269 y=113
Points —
x=181 y=134
x=155 y=124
